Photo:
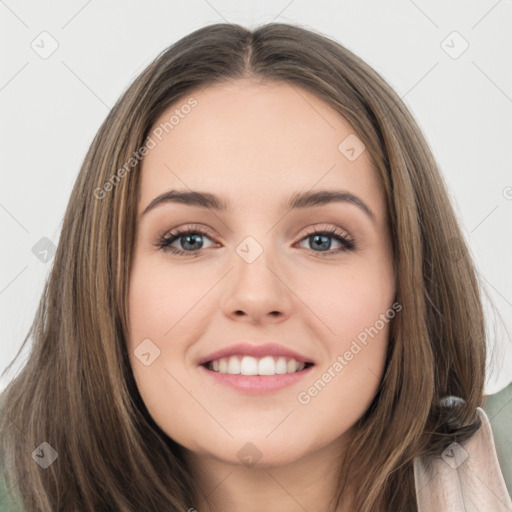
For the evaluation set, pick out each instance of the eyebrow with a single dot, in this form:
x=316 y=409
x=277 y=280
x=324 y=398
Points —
x=298 y=200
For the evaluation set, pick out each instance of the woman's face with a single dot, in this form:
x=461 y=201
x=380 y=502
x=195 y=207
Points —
x=255 y=273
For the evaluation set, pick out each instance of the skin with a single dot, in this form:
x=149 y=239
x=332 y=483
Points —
x=254 y=144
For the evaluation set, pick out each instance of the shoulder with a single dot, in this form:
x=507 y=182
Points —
x=473 y=472
x=498 y=408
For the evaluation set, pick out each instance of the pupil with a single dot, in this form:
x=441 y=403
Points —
x=194 y=243
x=320 y=244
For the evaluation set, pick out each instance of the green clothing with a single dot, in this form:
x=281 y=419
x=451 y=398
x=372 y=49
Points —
x=7 y=495
x=498 y=408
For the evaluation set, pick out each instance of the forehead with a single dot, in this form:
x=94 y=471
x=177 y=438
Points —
x=248 y=140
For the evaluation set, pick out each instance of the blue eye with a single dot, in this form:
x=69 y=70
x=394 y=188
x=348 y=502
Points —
x=191 y=241
x=321 y=240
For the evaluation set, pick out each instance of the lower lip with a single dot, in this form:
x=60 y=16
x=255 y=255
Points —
x=257 y=384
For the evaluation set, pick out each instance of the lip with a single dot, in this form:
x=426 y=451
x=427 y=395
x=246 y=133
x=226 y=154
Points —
x=256 y=384
x=260 y=350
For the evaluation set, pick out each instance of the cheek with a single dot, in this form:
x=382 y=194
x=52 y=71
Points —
x=348 y=300
x=168 y=310
x=348 y=378
x=159 y=299
x=355 y=309
x=160 y=311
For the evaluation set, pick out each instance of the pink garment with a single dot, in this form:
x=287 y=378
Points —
x=466 y=478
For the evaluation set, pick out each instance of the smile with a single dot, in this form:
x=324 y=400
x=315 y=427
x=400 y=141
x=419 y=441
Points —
x=248 y=365
x=254 y=383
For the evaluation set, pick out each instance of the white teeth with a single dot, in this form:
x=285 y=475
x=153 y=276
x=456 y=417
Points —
x=267 y=366
x=233 y=366
x=248 y=365
x=223 y=365
x=281 y=366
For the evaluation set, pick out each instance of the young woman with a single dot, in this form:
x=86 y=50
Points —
x=255 y=303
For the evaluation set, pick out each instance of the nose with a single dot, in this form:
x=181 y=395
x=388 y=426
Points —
x=257 y=291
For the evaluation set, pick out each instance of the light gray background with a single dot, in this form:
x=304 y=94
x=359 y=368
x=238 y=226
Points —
x=52 y=107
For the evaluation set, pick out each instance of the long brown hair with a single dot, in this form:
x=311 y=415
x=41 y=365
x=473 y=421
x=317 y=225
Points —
x=77 y=391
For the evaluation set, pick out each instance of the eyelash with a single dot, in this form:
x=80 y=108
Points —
x=165 y=242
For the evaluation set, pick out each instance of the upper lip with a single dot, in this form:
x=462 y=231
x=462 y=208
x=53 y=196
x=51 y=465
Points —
x=259 y=350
